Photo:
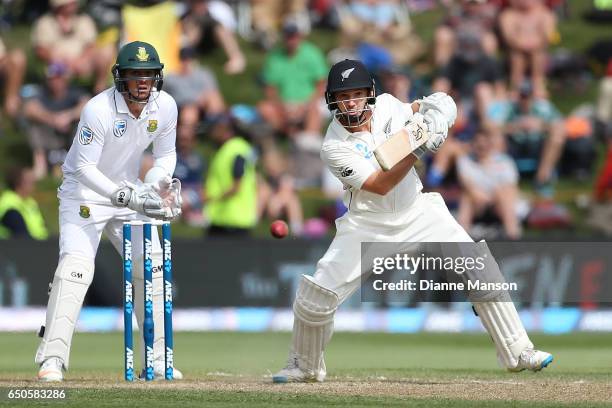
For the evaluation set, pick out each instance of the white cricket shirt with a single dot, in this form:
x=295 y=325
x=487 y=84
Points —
x=111 y=139
x=350 y=157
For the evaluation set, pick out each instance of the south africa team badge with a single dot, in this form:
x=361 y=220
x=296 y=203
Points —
x=85 y=135
x=119 y=128
x=84 y=211
x=152 y=126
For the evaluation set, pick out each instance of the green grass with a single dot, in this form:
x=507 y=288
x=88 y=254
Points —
x=154 y=398
x=233 y=369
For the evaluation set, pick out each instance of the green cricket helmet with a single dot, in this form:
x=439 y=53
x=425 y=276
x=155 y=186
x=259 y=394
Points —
x=137 y=55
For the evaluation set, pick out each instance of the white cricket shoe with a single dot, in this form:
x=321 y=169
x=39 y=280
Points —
x=159 y=368
x=51 y=370
x=292 y=373
x=533 y=360
x=159 y=372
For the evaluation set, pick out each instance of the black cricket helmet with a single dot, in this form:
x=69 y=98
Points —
x=344 y=76
x=137 y=55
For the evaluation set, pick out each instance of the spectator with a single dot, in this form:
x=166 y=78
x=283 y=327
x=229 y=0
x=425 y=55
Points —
x=19 y=213
x=527 y=27
x=223 y=13
x=535 y=137
x=600 y=211
x=398 y=81
x=52 y=115
x=107 y=16
x=471 y=76
x=467 y=19
x=277 y=194
x=267 y=17
x=603 y=185
x=12 y=69
x=490 y=182
x=294 y=74
x=158 y=23
x=195 y=90
x=603 y=111
x=190 y=170
x=65 y=36
x=603 y=120
x=201 y=28
x=231 y=183
x=383 y=23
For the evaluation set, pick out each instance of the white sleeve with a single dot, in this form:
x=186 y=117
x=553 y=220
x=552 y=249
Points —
x=394 y=107
x=93 y=178
x=164 y=145
x=88 y=143
x=348 y=165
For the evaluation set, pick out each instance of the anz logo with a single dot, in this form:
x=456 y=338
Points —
x=364 y=150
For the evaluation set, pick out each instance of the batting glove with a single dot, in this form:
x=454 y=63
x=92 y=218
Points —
x=442 y=103
x=438 y=131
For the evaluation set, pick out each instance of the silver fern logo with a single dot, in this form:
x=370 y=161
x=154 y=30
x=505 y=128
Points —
x=345 y=74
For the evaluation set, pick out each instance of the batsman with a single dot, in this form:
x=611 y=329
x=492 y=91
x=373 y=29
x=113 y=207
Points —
x=100 y=190
x=384 y=206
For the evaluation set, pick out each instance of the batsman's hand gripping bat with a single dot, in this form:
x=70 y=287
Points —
x=399 y=145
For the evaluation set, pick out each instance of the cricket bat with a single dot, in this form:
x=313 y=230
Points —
x=402 y=143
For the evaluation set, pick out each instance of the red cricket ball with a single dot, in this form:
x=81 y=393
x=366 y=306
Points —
x=279 y=229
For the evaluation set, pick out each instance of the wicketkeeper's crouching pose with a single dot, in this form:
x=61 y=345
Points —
x=384 y=207
x=101 y=190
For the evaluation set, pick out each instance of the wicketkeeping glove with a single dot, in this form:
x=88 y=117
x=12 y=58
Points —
x=142 y=199
x=169 y=189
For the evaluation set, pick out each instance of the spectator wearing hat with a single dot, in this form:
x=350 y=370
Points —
x=51 y=116
x=64 y=35
x=294 y=75
x=535 y=137
x=12 y=70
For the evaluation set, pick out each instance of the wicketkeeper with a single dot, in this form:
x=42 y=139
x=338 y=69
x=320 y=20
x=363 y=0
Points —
x=101 y=190
x=384 y=206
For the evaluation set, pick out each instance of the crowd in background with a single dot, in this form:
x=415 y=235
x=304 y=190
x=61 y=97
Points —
x=493 y=56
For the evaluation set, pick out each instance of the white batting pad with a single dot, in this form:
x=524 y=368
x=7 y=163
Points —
x=313 y=325
x=505 y=328
x=70 y=283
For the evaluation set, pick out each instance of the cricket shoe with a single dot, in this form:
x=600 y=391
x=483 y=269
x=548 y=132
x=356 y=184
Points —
x=292 y=373
x=533 y=360
x=159 y=372
x=51 y=370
